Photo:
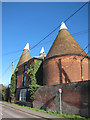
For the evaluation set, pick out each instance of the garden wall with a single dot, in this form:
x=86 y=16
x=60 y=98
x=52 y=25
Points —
x=74 y=98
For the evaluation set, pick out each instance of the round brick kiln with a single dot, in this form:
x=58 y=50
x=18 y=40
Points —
x=64 y=62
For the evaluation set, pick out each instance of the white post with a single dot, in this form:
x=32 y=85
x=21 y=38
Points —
x=60 y=105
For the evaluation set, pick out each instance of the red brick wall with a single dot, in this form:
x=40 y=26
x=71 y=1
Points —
x=64 y=69
x=74 y=98
x=20 y=76
x=21 y=73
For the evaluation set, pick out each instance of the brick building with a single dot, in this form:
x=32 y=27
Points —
x=64 y=62
x=22 y=77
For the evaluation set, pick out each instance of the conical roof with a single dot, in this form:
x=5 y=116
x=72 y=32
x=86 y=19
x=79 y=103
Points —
x=64 y=44
x=25 y=55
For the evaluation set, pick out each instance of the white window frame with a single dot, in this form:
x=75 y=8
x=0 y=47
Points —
x=23 y=95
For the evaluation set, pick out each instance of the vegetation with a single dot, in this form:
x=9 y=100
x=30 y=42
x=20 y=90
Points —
x=31 y=72
x=13 y=85
x=39 y=73
x=3 y=92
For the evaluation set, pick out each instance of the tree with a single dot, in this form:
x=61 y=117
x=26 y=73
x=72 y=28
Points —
x=3 y=92
x=32 y=80
x=13 y=85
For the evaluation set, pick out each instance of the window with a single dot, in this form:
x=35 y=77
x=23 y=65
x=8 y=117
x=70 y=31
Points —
x=23 y=95
x=25 y=68
x=24 y=79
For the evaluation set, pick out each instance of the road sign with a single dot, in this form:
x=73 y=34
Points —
x=60 y=90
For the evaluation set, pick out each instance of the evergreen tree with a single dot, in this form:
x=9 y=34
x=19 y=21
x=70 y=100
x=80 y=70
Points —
x=13 y=84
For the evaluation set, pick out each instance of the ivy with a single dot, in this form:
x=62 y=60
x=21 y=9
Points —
x=31 y=72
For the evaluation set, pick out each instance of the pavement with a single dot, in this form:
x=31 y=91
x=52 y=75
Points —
x=33 y=112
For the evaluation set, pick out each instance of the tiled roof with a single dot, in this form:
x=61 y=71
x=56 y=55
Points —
x=24 y=57
x=65 y=44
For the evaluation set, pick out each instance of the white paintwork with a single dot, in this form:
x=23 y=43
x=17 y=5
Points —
x=42 y=53
x=63 y=26
x=42 y=50
x=39 y=57
x=26 y=47
x=23 y=95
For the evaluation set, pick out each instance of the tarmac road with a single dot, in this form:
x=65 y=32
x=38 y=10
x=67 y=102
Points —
x=12 y=112
x=8 y=112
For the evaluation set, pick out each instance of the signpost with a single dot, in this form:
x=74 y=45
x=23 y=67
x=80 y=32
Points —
x=60 y=91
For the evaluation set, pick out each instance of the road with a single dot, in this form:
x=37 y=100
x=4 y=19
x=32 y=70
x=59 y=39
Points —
x=8 y=112
x=12 y=112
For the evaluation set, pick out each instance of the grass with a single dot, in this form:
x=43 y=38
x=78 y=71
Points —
x=71 y=117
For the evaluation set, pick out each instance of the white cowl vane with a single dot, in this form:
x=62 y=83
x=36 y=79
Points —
x=63 y=26
x=26 y=47
x=42 y=51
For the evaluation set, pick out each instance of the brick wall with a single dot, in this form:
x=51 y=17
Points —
x=20 y=76
x=64 y=69
x=20 y=73
x=74 y=98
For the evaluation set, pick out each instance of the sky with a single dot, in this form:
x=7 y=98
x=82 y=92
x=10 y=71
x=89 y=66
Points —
x=30 y=22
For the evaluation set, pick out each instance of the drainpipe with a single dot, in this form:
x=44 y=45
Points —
x=81 y=70
x=82 y=67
